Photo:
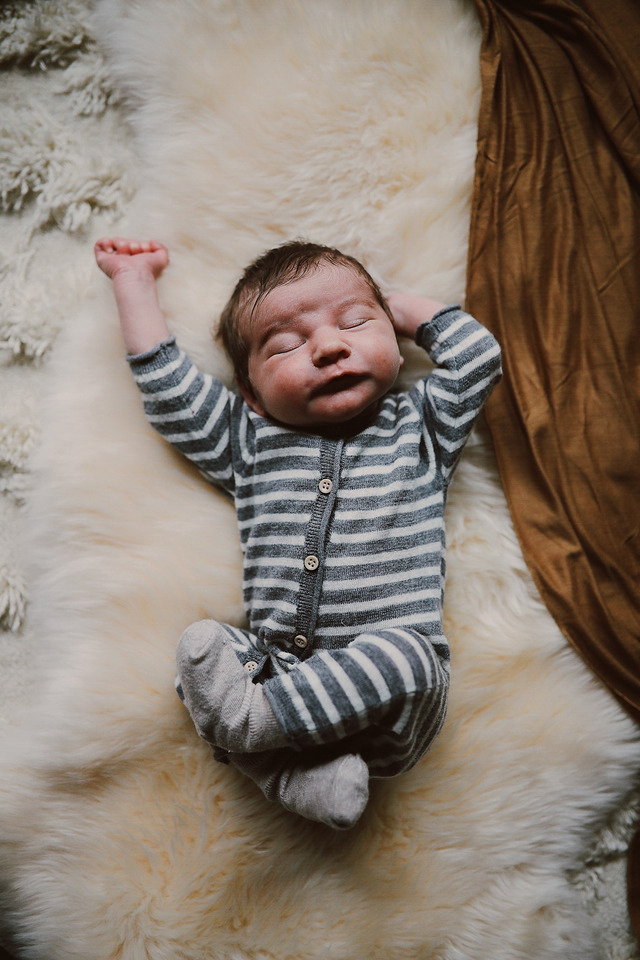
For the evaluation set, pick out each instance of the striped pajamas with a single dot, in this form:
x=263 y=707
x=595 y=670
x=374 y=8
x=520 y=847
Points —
x=343 y=541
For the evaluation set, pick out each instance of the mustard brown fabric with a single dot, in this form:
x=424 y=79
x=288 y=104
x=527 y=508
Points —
x=554 y=273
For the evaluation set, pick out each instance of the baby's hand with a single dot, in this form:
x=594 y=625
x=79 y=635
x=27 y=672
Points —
x=410 y=310
x=114 y=256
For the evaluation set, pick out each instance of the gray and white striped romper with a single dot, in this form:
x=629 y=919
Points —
x=343 y=541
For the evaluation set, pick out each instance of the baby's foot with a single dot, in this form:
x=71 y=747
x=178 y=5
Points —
x=334 y=792
x=227 y=708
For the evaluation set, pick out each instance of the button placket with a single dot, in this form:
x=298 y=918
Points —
x=315 y=541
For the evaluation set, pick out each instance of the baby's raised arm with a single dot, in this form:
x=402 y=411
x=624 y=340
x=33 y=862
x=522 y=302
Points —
x=134 y=266
x=410 y=311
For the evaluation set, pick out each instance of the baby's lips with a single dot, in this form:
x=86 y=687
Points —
x=342 y=382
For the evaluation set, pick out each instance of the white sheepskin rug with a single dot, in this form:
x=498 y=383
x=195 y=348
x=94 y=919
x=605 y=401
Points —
x=351 y=122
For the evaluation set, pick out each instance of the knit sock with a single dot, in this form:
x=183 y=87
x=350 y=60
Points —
x=334 y=792
x=227 y=708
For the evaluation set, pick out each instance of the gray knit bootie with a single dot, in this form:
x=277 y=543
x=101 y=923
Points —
x=334 y=792
x=227 y=708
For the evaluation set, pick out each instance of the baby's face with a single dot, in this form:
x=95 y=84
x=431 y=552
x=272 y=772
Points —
x=322 y=351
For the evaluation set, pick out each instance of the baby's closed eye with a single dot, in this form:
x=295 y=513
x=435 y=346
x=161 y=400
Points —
x=349 y=322
x=284 y=343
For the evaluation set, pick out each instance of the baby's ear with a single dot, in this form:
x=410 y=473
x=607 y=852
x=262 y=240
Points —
x=249 y=396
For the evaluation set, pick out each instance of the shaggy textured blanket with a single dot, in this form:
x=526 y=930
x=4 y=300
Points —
x=352 y=123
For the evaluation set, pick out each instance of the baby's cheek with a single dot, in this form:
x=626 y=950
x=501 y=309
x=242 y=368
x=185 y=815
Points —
x=289 y=380
x=390 y=360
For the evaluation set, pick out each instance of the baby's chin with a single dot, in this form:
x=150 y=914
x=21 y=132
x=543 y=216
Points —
x=339 y=419
x=340 y=409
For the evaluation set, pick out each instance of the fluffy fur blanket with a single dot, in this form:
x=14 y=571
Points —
x=352 y=123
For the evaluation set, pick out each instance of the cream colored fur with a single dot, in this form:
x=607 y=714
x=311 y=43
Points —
x=352 y=123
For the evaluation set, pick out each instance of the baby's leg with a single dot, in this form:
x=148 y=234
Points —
x=227 y=708
x=394 y=680
x=334 y=792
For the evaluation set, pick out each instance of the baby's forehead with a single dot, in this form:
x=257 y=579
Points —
x=332 y=285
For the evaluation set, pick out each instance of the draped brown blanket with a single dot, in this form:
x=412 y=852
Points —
x=554 y=272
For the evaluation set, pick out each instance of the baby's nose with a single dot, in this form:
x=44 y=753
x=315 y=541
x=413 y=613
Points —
x=329 y=346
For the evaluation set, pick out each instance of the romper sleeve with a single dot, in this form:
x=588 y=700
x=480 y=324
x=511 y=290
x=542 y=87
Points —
x=193 y=411
x=467 y=359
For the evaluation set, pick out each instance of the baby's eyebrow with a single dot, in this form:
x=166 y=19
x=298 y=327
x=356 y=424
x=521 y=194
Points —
x=358 y=300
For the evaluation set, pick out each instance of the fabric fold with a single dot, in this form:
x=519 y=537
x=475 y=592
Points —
x=553 y=272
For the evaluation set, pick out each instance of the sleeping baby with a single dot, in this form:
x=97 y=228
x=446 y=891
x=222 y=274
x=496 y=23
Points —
x=340 y=483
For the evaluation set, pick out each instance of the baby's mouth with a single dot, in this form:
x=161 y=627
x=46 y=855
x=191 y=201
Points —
x=344 y=381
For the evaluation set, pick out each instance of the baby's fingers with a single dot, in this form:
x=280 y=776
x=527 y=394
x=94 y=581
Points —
x=105 y=245
x=122 y=245
x=136 y=246
x=118 y=245
x=115 y=254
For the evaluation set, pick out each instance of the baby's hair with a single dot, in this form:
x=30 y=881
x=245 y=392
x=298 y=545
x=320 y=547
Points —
x=283 y=264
